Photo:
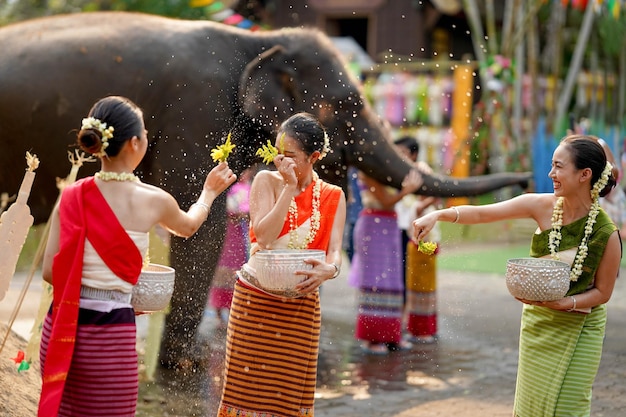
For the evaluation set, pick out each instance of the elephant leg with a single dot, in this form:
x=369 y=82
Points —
x=194 y=260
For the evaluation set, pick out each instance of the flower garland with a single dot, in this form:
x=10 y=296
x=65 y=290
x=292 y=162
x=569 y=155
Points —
x=325 y=147
x=315 y=218
x=106 y=133
x=116 y=176
x=554 y=239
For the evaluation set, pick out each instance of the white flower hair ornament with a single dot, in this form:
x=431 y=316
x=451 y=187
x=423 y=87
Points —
x=325 y=148
x=106 y=133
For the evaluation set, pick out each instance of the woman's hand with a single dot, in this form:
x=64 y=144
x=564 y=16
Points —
x=562 y=304
x=286 y=166
x=422 y=226
x=315 y=277
x=219 y=179
x=412 y=182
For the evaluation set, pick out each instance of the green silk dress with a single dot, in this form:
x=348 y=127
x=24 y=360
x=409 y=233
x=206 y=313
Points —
x=559 y=352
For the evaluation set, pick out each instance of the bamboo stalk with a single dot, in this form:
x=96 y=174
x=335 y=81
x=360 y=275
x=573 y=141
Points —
x=574 y=68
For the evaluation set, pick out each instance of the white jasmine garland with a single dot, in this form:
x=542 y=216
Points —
x=106 y=133
x=315 y=218
x=116 y=176
x=325 y=148
x=554 y=239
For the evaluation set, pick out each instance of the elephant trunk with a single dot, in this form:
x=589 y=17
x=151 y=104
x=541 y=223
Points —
x=378 y=158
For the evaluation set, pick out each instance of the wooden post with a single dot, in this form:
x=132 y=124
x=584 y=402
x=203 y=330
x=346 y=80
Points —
x=463 y=77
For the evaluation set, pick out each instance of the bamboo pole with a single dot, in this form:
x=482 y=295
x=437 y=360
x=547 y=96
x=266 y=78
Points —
x=492 y=34
x=478 y=37
x=572 y=73
x=77 y=160
x=14 y=226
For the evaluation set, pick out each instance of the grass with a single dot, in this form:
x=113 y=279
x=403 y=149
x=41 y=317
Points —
x=483 y=260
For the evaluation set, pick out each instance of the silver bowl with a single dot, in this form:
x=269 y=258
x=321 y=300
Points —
x=537 y=279
x=154 y=289
x=275 y=269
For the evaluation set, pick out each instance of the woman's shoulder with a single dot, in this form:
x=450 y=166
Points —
x=267 y=177
x=331 y=187
x=536 y=198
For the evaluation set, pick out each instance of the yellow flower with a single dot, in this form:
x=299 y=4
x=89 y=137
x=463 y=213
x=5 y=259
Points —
x=427 y=248
x=222 y=152
x=267 y=152
x=281 y=143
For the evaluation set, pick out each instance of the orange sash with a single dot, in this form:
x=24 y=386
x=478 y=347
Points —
x=329 y=200
x=83 y=214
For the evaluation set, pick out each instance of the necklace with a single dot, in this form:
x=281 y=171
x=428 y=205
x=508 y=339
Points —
x=315 y=218
x=116 y=176
x=554 y=238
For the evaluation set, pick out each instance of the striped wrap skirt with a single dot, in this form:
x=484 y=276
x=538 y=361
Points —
x=558 y=361
x=376 y=270
x=103 y=377
x=272 y=346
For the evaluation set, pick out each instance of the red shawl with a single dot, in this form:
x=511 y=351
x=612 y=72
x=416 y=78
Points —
x=83 y=214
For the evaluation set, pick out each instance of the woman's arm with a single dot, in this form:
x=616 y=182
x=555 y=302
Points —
x=388 y=198
x=334 y=252
x=268 y=211
x=522 y=206
x=603 y=285
x=185 y=224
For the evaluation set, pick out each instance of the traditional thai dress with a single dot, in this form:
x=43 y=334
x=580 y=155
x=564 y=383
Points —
x=377 y=272
x=560 y=351
x=420 y=273
x=88 y=354
x=235 y=250
x=272 y=341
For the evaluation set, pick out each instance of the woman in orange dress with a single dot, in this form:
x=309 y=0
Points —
x=273 y=339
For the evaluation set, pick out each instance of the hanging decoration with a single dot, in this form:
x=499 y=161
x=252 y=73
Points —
x=221 y=11
x=14 y=226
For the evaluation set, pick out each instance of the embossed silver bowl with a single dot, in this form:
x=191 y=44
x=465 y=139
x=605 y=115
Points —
x=154 y=289
x=537 y=279
x=276 y=268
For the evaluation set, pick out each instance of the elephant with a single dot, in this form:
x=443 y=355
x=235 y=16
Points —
x=197 y=82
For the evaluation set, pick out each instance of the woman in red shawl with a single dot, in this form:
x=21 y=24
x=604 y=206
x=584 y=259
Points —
x=97 y=243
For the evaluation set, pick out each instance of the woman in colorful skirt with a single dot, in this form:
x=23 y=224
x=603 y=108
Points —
x=421 y=288
x=560 y=340
x=235 y=249
x=420 y=269
x=272 y=339
x=94 y=255
x=376 y=269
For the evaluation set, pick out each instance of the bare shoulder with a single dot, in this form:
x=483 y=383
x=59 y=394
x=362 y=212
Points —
x=267 y=179
x=154 y=195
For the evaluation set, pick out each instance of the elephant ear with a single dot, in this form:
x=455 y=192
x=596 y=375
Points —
x=266 y=88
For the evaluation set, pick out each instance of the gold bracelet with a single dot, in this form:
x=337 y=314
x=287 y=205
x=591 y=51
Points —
x=337 y=271
x=456 y=210
x=573 y=305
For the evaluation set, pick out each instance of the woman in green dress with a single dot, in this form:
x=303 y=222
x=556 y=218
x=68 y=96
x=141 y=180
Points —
x=561 y=340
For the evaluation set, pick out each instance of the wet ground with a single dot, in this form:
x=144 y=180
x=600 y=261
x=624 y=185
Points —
x=470 y=371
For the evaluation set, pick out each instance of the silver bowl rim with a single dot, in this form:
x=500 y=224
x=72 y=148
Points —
x=531 y=262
